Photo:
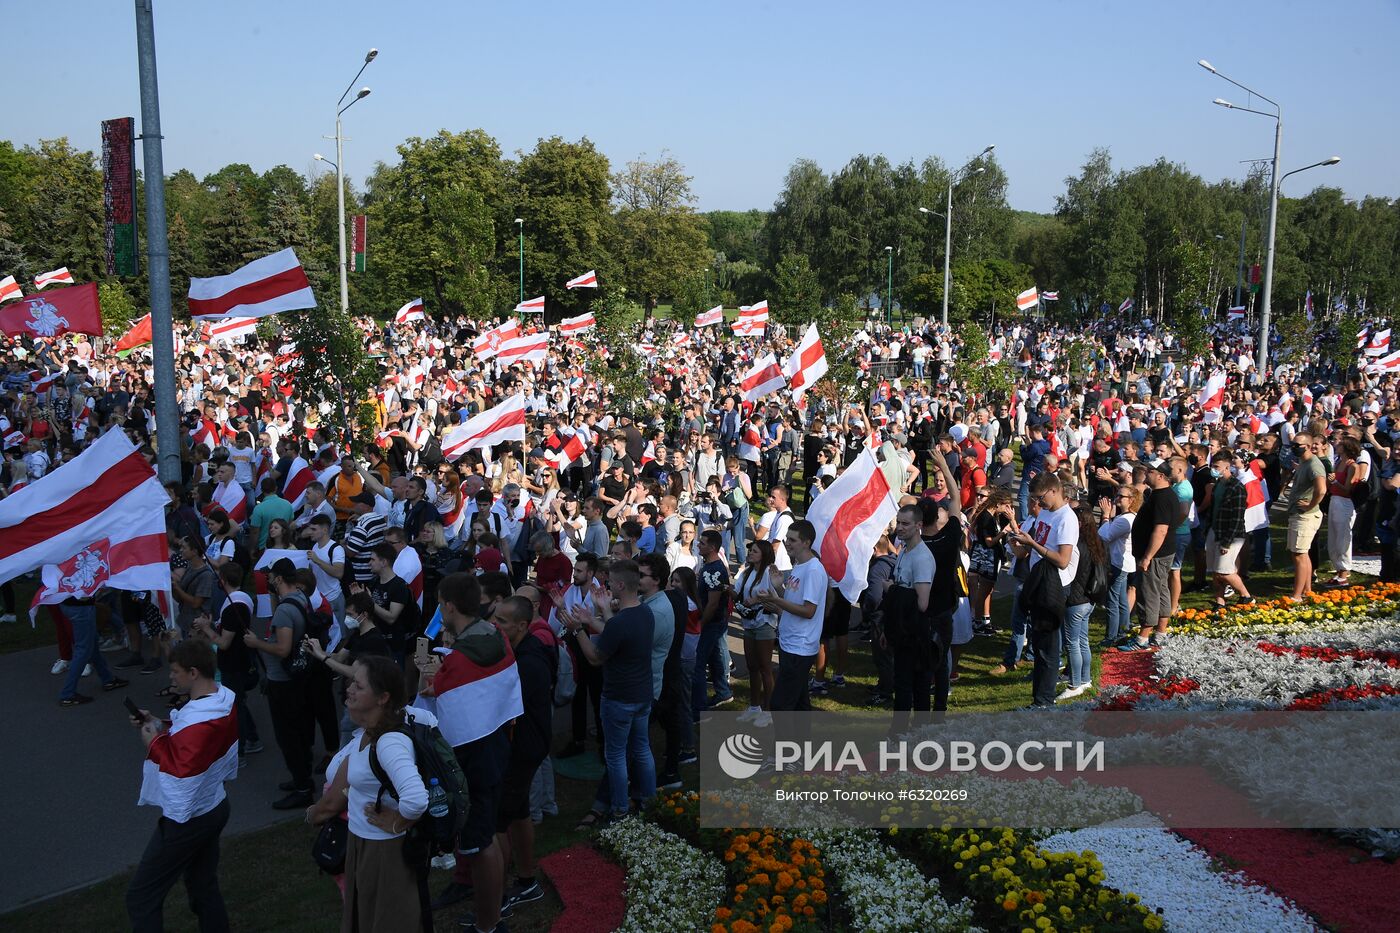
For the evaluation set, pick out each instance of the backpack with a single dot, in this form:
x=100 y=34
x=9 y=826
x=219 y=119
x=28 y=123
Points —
x=1096 y=582
x=314 y=624
x=431 y=835
x=242 y=558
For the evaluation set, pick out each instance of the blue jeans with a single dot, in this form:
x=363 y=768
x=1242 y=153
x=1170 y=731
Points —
x=1119 y=620
x=1018 y=633
x=1263 y=548
x=1074 y=638
x=1023 y=499
x=84 y=622
x=739 y=531
x=626 y=744
x=711 y=637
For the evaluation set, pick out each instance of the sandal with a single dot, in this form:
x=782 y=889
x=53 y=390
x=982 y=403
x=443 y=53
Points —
x=591 y=820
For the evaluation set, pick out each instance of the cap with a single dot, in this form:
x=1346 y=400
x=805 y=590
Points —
x=363 y=498
x=1165 y=468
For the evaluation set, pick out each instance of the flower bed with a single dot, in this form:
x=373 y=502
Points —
x=1179 y=880
x=778 y=883
x=1021 y=886
x=884 y=893
x=1332 y=608
x=671 y=885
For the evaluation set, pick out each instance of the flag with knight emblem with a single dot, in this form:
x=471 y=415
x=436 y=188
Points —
x=72 y=310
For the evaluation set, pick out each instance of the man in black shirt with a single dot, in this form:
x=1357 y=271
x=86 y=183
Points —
x=395 y=609
x=1153 y=549
x=237 y=666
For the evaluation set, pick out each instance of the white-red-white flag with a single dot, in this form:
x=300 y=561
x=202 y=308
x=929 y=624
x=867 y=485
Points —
x=299 y=476
x=1212 y=394
x=232 y=499
x=1236 y=313
x=505 y=422
x=588 y=280
x=752 y=319
x=680 y=339
x=849 y=517
x=413 y=311
x=231 y=328
x=807 y=363
x=711 y=317
x=57 y=277
x=532 y=306
x=408 y=567
x=107 y=491
x=1028 y=299
x=764 y=378
x=1385 y=364
x=564 y=447
x=1380 y=343
x=577 y=325
x=44 y=383
x=187 y=764
x=527 y=348
x=9 y=289
x=488 y=343
x=269 y=285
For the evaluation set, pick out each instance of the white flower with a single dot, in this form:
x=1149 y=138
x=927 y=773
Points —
x=672 y=887
x=1170 y=874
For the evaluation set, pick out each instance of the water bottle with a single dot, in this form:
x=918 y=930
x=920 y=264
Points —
x=437 y=800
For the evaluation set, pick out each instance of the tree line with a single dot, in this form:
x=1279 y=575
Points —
x=442 y=226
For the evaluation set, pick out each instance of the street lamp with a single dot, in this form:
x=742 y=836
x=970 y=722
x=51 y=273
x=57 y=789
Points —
x=520 y=222
x=1262 y=355
x=340 y=174
x=889 y=289
x=954 y=180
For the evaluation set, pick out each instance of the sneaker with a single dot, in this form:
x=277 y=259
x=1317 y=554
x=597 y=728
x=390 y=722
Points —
x=116 y=683
x=1133 y=645
x=445 y=862
x=838 y=681
x=468 y=922
x=133 y=659
x=816 y=686
x=151 y=666
x=87 y=670
x=8 y=617
x=524 y=894
x=688 y=757
x=1106 y=644
x=77 y=699
x=1002 y=669
x=454 y=893
x=749 y=714
x=763 y=720
x=111 y=643
x=252 y=748
x=1069 y=693
x=59 y=667
x=296 y=800
x=669 y=782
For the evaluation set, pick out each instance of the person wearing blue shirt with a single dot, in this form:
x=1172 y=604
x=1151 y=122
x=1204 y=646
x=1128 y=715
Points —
x=1033 y=456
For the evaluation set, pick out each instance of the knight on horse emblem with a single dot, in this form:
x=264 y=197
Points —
x=45 y=321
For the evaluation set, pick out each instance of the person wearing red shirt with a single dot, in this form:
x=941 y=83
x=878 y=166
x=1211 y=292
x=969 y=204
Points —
x=973 y=478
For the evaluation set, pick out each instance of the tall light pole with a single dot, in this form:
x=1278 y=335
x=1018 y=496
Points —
x=157 y=251
x=520 y=223
x=889 y=289
x=340 y=173
x=954 y=180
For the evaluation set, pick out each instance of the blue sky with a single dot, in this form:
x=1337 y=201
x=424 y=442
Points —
x=736 y=91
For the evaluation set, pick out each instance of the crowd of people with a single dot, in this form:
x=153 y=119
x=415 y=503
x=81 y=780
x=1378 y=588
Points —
x=602 y=567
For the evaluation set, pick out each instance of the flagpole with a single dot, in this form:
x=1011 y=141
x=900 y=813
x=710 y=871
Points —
x=157 y=251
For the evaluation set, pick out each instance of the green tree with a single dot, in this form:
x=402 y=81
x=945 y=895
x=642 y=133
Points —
x=972 y=368
x=62 y=223
x=658 y=239
x=232 y=235
x=737 y=234
x=334 y=367
x=623 y=372
x=432 y=219
x=118 y=310
x=562 y=192
x=796 y=291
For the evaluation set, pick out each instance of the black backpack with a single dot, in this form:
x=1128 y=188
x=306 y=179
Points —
x=431 y=835
x=1096 y=582
x=318 y=626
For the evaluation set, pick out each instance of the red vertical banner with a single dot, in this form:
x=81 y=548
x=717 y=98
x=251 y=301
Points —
x=357 y=239
x=119 y=195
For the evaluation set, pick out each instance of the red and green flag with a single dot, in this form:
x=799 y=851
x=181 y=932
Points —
x=358 y=231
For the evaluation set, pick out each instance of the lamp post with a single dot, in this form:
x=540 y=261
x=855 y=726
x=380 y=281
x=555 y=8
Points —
x=889 y=288
x=954 y=180
x=520 y=223
x=340 y=174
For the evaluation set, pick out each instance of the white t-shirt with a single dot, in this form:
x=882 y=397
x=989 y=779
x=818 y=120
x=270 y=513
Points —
x=242 y=460
x=777 y=536
x=328 y=552
x=806 y=583
x=1053 y=529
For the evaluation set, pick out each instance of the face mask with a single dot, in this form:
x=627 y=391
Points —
x=1235 y=472
x=1214 y=473
x=351 y=622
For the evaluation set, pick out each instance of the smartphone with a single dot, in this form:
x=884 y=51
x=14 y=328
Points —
x=134 y=710
x=420 y=654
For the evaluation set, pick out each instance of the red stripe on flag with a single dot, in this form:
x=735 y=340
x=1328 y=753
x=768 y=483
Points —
x=195 y=748
x=124 y=476
x=274 y=286
x=853 y=513
x=509 y=420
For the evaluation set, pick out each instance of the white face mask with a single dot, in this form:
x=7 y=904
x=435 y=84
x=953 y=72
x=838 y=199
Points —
x=351 y=622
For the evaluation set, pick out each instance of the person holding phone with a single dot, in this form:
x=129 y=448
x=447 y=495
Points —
x=237 y=665
x=203 y=733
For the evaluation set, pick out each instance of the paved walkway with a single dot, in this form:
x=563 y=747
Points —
x=72 y=778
